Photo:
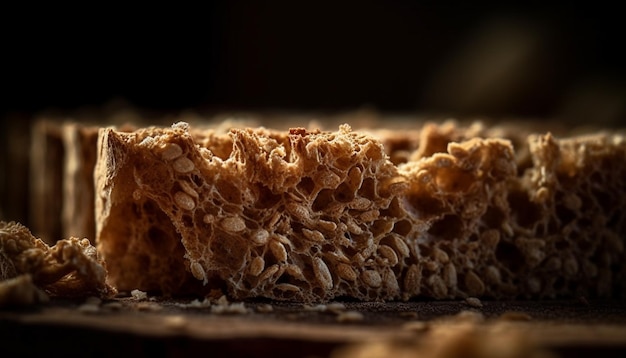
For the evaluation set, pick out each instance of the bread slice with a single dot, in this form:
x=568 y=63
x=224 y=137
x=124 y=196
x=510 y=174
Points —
x=47 y=152
x=62 y=159
x=315 y=215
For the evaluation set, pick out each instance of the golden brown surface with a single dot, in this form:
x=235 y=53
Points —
x=311 y=215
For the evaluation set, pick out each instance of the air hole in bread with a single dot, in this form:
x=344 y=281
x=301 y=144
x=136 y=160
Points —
x=509 y=255
x=306 y=186
x=450 y=227
x=323 y=198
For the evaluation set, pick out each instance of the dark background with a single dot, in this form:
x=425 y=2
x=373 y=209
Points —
x=495 y=60
x=435 y=57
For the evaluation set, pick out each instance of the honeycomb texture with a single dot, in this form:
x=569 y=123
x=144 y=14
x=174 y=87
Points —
x=71 y=268
x=445 y=212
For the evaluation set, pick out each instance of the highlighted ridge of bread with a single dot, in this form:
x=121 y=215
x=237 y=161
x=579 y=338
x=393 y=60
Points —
x=316 y=215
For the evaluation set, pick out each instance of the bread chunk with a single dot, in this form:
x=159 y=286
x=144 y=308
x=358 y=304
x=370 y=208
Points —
x=309 y=215
x=70 y=268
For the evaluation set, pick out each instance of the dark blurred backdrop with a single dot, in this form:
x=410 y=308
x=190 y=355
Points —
x=453 y=58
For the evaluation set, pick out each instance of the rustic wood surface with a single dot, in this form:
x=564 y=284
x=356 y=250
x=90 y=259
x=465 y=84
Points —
x=159 y=327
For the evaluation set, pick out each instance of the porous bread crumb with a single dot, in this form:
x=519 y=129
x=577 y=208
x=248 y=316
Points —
x=72 y=267
x=196 y=304
x=139 y=295
x=223 y=306
x=88 y=308
x=230 y=308
x=264 y=308
x=310 y=216
x=218 y=306
x=474 y=302
x=335 y=307
x=315 y=308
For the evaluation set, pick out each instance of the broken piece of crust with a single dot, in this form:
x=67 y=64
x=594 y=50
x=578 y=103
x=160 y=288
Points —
x=70 y=268
x=312 y=216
